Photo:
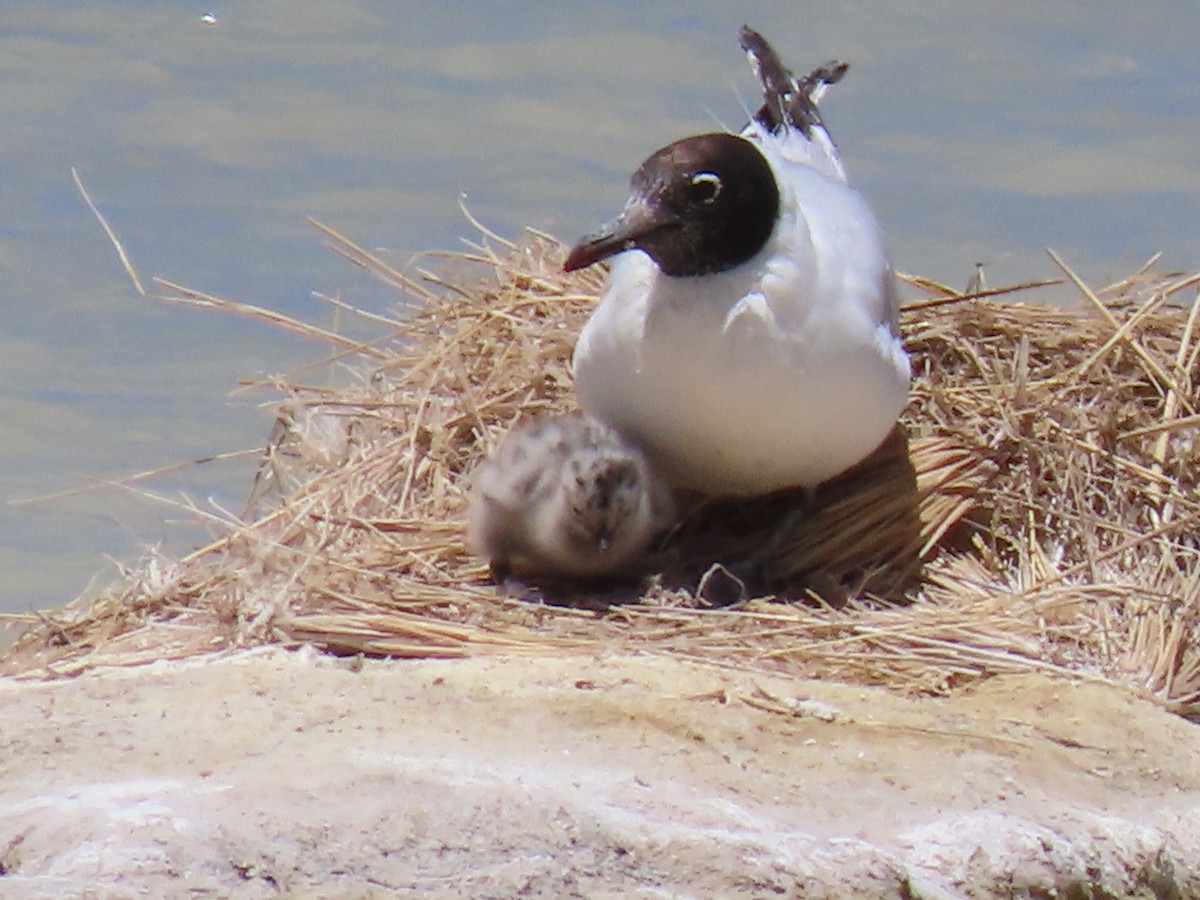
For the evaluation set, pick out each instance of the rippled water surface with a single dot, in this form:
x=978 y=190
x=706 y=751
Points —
x=980 y=132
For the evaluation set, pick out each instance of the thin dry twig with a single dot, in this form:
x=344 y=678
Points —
x=112 y=235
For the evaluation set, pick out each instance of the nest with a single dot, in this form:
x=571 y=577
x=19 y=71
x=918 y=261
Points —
x=1034 y=511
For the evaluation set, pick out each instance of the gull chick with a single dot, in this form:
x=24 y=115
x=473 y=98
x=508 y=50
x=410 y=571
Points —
x=566 y=497
x=748 y=338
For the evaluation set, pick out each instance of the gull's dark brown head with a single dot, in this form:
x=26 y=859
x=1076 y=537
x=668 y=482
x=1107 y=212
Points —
x=703 y=204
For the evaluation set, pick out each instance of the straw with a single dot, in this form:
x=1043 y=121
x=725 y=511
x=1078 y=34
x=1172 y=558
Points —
x=1033 y=512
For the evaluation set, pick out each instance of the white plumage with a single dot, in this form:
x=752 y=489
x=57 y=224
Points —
x=780 y=370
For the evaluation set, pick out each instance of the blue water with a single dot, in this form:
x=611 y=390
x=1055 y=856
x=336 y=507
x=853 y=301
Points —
x=980 y=131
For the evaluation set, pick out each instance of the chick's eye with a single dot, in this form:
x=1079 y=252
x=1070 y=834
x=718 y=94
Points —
x=706 y=187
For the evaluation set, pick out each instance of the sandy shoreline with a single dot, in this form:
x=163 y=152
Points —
x=269 y=773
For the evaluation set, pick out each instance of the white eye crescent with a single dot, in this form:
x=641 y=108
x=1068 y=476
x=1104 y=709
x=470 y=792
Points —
x=707 y=185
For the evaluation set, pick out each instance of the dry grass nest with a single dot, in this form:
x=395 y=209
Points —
x=1035 y=511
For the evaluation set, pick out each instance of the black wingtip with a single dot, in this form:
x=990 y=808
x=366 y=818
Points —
x=786 y=100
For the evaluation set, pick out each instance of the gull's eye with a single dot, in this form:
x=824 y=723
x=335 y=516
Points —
x=706 y=186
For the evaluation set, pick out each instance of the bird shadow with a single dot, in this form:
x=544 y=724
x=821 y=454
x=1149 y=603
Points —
x=858 y=534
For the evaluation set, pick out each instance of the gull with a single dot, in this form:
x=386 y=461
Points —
x=566 y=497
x=748 y=338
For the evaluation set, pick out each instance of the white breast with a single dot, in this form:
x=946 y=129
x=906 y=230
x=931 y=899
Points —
x=783 y=371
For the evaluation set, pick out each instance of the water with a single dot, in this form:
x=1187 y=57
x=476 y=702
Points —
x=980 y=132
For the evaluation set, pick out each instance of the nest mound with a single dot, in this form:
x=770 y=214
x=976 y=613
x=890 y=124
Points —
x=1035 y=509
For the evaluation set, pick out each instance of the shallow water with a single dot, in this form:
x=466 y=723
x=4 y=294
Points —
x=980 y=132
